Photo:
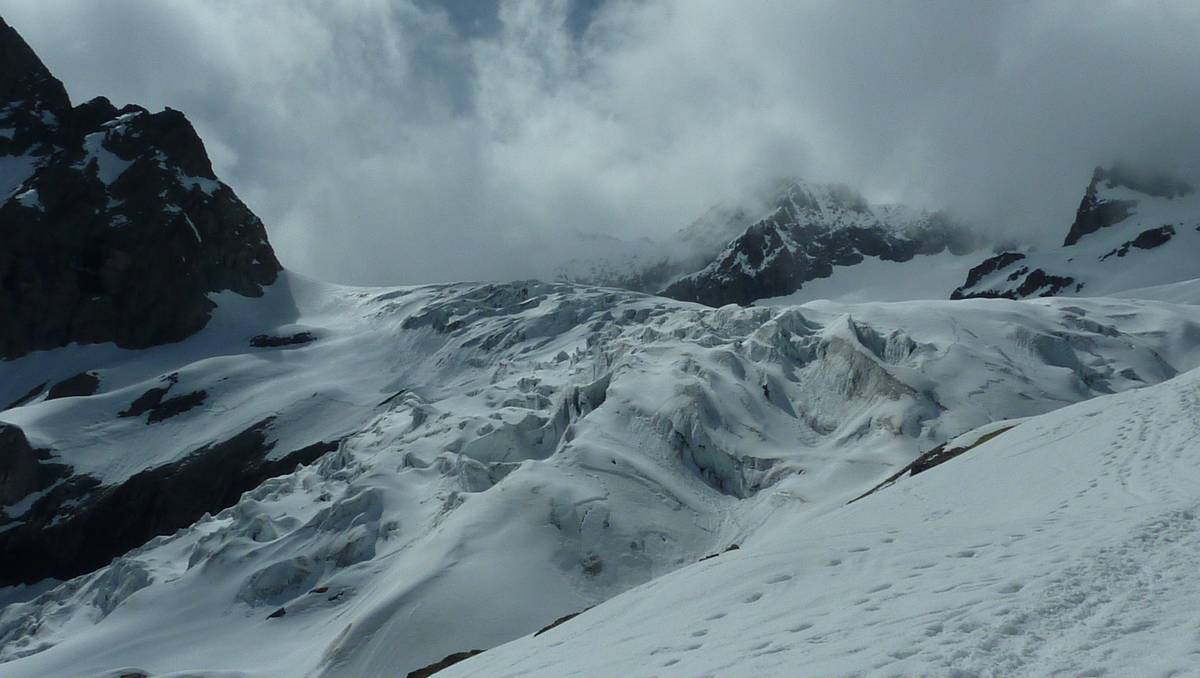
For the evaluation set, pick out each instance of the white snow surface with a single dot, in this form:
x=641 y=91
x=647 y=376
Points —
x=930 y=276
x=109 y=166
x=14 y=170
x=512 y=453
x=1064 y=546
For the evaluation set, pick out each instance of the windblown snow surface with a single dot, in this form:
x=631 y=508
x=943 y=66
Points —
x=512 y=453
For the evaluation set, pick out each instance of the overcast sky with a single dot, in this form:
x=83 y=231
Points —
x=401 y=141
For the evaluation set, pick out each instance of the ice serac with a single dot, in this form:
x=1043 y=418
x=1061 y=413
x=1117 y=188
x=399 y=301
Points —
x=1060 y=545
x=811 y=230
x=113 y=226
x=1132 y=229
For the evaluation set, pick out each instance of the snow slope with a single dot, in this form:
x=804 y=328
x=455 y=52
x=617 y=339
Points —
x=510 y=453
x=926 y=277
x=1064 y=546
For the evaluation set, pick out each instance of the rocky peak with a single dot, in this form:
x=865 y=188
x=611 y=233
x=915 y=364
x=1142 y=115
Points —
x=23 y=76
x=808 y=230
x=113 y=226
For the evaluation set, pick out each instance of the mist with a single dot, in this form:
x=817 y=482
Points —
x=406 y=141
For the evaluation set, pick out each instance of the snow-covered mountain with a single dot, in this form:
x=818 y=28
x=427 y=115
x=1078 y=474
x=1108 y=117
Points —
x=802 y=241
x=114 y=227
x=812 y=231
x=1132 y=229
x=243 y=472
x=824 y=241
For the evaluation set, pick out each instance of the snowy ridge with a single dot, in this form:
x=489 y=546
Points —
x=560 y=444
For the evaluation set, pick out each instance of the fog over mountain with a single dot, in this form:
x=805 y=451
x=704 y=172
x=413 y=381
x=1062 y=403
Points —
x=410 y=141
x=867 y=339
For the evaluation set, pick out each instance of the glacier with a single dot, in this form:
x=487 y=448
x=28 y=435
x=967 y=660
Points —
x=508 y=454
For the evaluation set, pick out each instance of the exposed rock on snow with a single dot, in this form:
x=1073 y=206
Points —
x=448 y=661
x=82 y=384
x=24 y=470
x=79 y=524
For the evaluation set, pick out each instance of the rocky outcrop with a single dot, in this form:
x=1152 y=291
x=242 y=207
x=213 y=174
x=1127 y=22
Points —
x=444 y=663
x=23 y=468
x=1146 y=240
x=1095 y=213
x=1035 y=283
x=82 y=384
x=77 y=524
x=811 y=230
x=113 y=226
x=988 y=267
x=935 y=457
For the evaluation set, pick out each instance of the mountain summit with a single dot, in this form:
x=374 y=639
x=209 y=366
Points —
x=809 y=231
x=113 y=226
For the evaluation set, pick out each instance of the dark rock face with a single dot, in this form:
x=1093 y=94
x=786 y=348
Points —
x=988 y=267
x=82 y=384
x=269 y=341
x=807 y=235
x=1042 y=284
x=1036 y=283
x=23 y=469
x=444 y=663
x=1094 y=214
x=79 y=525
x=1153 y=237
x=174 y=406
x=113 y=226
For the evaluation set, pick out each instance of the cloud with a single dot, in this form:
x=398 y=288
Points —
x=410 y=141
